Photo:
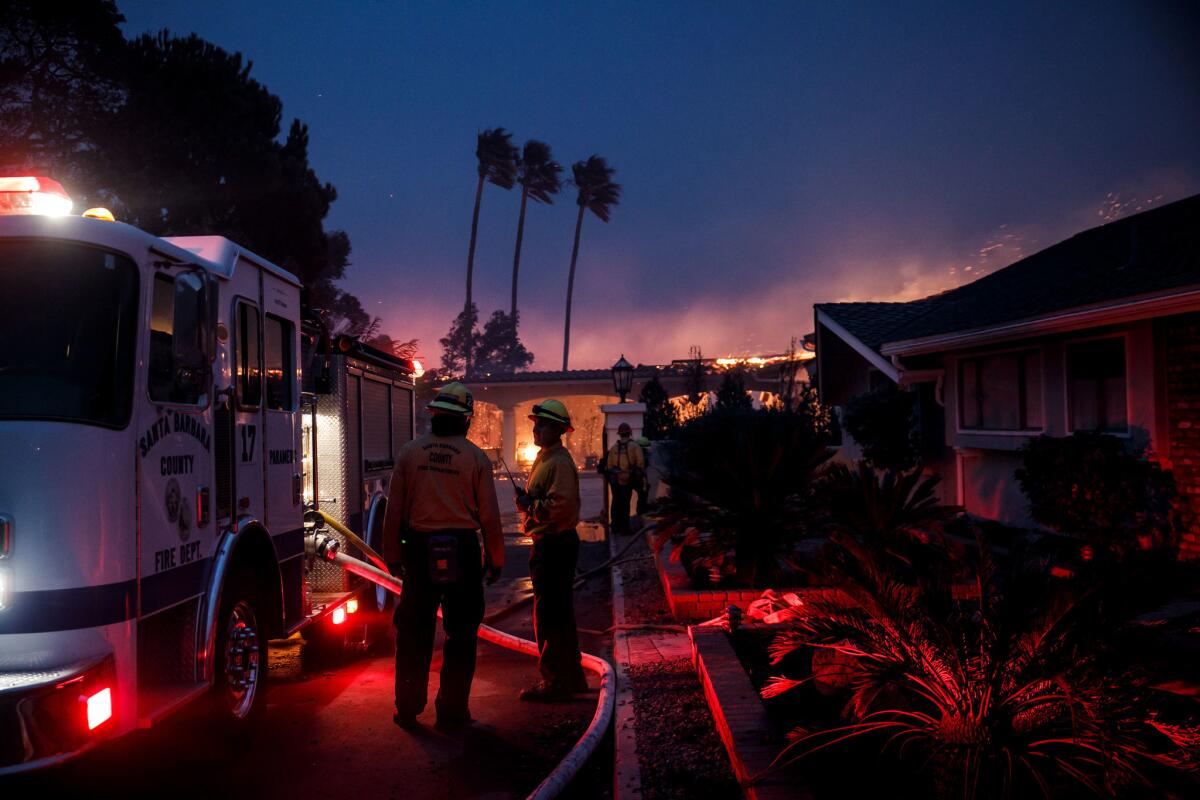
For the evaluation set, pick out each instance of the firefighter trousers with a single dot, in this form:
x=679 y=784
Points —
x=621 y=496
x=552 y=571
x=462 y=605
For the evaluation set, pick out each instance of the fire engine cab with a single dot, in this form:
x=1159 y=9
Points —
x=160 y=442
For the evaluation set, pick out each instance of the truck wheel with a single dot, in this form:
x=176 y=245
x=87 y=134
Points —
x=240 y=656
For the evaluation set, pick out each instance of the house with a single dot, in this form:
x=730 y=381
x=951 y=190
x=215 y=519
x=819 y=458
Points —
x=1098 y=332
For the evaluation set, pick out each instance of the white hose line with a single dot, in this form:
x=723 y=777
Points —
x=353 y=538
x=569 y=767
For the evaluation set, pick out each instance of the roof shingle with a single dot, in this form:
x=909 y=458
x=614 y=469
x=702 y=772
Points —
x=1153 y=251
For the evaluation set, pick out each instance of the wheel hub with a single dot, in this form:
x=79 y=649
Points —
x=241 y=660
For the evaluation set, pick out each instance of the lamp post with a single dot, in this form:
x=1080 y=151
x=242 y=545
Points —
x=622 y=376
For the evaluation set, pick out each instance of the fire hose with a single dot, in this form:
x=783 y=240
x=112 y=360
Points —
x=561 y=775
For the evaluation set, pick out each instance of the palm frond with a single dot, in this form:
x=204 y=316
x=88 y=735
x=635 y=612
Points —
x=597 y=191
x=538 y=172
x=497 y=157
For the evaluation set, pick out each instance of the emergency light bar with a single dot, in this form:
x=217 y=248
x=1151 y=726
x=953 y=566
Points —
x=33 y=195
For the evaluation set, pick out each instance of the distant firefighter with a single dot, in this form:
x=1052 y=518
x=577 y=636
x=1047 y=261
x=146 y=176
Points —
x=625 y=466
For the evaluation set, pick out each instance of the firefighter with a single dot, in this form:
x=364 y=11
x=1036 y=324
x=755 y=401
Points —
x=550 y=507
x=441 y=494
x=626 y=468
x=642 y=489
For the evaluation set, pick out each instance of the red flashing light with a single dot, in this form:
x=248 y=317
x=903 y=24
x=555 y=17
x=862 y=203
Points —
x=339 y=615
x=33 y=195
x=352 y=606
x=99 y=708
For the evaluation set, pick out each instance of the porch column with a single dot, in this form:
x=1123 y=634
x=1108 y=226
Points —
x=508 y=436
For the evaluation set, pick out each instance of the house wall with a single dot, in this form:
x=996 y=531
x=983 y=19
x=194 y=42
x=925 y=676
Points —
x=982 y=463
x=1179 y=339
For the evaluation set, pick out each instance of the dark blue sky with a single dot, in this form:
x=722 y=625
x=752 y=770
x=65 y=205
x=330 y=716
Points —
x=772 y=155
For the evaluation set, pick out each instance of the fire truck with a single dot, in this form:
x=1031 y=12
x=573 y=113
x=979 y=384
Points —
x=166 y=421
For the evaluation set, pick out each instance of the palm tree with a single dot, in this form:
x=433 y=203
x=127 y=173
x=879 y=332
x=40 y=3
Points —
x=497 y=164
x=537 y=172
x=597 y=193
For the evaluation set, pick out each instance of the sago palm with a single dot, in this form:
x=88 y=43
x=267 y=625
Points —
x=538 y=174
x=597 y=193
x=1030 y=688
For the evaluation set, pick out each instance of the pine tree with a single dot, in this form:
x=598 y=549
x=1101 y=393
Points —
x=459 y=344
x=498 y=350
x=662 y=418
x=732 y=392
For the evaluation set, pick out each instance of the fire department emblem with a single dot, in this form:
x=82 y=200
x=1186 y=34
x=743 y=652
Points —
x=177 y=510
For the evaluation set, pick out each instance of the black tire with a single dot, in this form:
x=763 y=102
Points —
x=240 y=657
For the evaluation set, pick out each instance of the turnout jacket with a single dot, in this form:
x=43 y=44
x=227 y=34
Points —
x=439 y=483
x=553 y=493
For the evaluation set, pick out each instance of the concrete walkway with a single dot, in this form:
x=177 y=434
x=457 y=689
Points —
x=634 y=648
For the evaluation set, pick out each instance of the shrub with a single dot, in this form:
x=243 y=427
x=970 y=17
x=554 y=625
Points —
x=882 y=505
x=1027 y=689
x=1095 y=487
x=883 y=423
x=740 y=481
x=731 y=393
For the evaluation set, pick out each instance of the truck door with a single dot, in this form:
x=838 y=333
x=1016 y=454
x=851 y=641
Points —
x=249 y=443
x=175 y=453
x=281 y=406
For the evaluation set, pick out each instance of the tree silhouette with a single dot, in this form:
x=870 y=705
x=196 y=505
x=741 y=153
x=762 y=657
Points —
x=731 y=393
x=537 y=172
x=172 y=134
x=498 y=350
x=597 y=193
x=59 y=73
x=496 y=163
x=662 y=419
x=458 y=346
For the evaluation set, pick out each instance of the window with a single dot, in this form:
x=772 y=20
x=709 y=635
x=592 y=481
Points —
x=249 y=358
x=279 y=343
x=1001 y=392
x=1096 y=386
x=68 y=333
x=179 y=362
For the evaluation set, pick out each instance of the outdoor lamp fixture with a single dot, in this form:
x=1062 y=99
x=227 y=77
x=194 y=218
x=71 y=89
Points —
x=622 y=374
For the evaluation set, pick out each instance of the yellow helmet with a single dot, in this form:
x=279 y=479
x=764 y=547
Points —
x=553 y=410
x=455 y=398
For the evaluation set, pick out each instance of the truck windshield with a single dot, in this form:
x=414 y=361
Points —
x=68 y=325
